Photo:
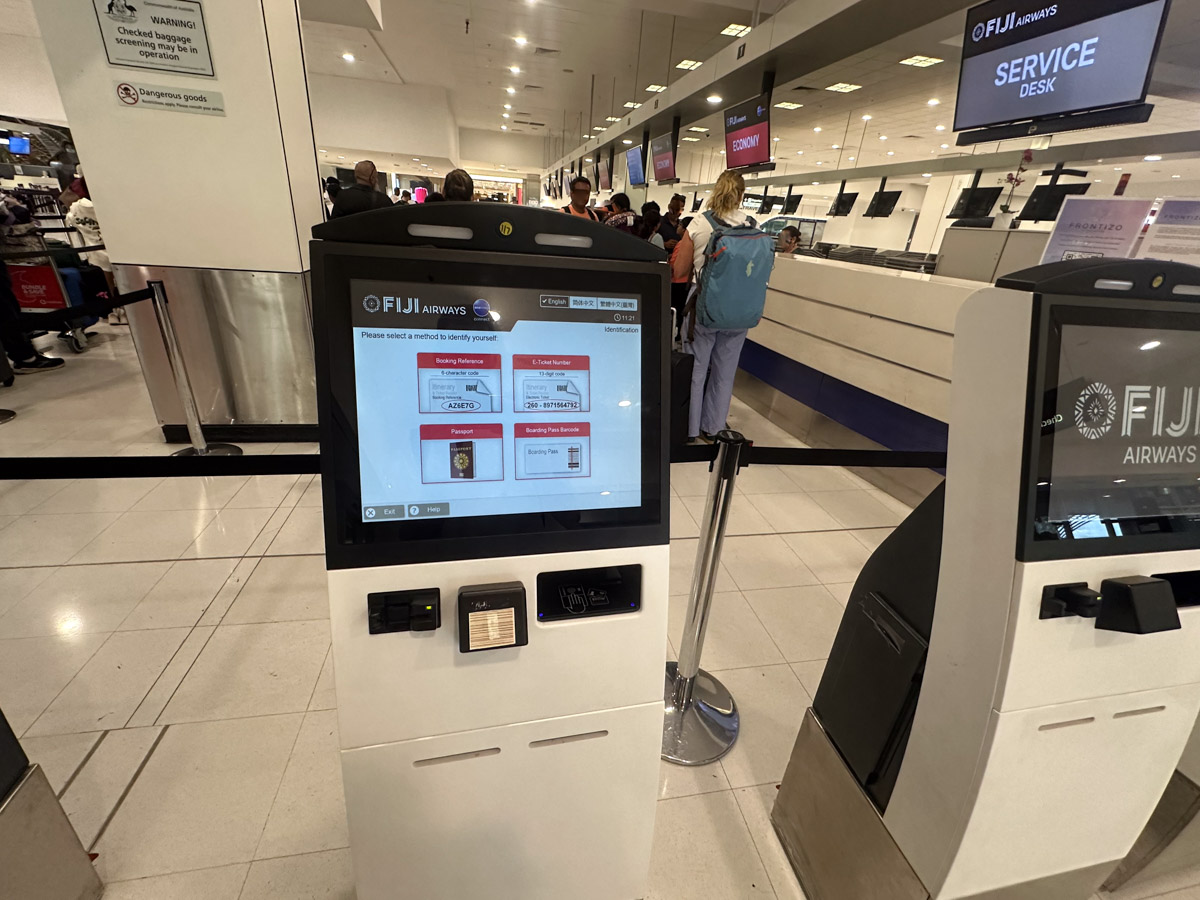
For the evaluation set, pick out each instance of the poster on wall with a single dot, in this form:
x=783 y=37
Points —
x=1175 y=234
x=1096 y=226
x=167 y=35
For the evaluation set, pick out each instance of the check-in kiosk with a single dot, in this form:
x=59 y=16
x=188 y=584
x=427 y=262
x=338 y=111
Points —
x=1018 y=667
x=494 y=469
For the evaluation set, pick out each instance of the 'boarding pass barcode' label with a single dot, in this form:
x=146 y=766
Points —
x=492 y=628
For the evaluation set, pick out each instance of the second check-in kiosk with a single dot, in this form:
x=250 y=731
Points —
x=496 y=498
x=1018 y=667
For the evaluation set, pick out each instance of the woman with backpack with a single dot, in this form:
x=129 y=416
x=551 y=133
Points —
x=732 y=261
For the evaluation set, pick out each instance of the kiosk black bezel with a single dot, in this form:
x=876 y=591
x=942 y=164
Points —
x=351 y=542
x=1051 y=311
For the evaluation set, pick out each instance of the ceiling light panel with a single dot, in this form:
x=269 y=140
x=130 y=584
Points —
x=921 y=62
x=844 y=87
x=689 y=138
x=689 y=64
x=698 y=128
x=788 y=104
x=655 y=88
x=629 y=104
x=733 y=30
x=611 y=119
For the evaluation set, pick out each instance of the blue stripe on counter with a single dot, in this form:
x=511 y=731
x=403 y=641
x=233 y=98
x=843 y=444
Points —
x=890 y=424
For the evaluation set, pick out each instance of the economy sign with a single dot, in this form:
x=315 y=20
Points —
x=662 y=153
x=748 y=133
x=1025 y=60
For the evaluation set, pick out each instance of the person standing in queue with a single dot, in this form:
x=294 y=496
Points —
x=458 y=186
x=732 y=261
x=789 y=240
x=581 y=198
x=622 y=217
x=647 y=229
x=361 y=196
x=670 y=227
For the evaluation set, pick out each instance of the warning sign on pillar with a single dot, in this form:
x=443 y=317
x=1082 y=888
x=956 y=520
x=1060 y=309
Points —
x=167 y=35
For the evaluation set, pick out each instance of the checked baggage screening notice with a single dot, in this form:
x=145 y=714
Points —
x=493 y=401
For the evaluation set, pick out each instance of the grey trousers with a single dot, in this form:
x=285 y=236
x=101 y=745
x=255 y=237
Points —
x=717 y=352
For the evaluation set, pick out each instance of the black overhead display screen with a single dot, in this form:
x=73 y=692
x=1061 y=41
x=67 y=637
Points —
x=1116 y=456
x=1026 y=60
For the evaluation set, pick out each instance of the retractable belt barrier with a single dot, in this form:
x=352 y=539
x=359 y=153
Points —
x=99 y=308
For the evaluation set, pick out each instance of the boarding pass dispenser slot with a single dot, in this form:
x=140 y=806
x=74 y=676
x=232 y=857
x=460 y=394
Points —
x=492 y=617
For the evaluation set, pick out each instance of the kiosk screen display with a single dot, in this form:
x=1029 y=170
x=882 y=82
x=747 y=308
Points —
x=1118 y=452
x=488 y=401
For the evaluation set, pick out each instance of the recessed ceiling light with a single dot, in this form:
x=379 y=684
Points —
x=1096 y=180
x=504 y=115
x=844 y=87
x=722 y=152
x=629 y=104
x=775 y=139
x=504 y=128
x=714 y=98
x=324 y=151
x=837 y=147
x=816 y=183
x=585 y=159
x=511 y=90
x=799 y=152
x=688 y=64
x=521 y=41
x=611 y=119
x=1116 y=168
x=945 y=146
x=508 y=106
x=733 y=30
x=772 y=159
x=788 y=104
x=819 y=163
x=599 y=128
x=851 y=159
x=1152 y=158
x=689 y=138
x=348 y=57
x=341 y=157
x=516 y=70
x=817 y=129
x=698 y=128
x=921 y=62
x=933 y=101
x=883 y=137
x=626 y=141
x=940 y=128
x=1176 y=176
x=926 y=174
x=867 y=118
x=655 y=88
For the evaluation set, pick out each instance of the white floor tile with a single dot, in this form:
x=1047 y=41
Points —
x=833 y=556
x=17 y=584
x=764 y=480
x=19 y=497
x=871 y=538
x=112 y=685
x=683 y=561
x=810 y=674
x=314 y=876
x=734 y=638
x=181 y=596
x=146 y=535
x=763 y=561
x=771 y=704
x=34 y=670
x=687 y=781
x=899 y=507
x=59 y=755
x=270 y=531
x=690 y=479
x=192 y=493
x=823 y=478
x=857 y=509
x=309 y=813
x=202 y=799
x=756 y=804
x=793 y=512
x=312 y=494
x=223 y=883
x=282 y=589
x=802 y=621
x=98 y=495
x=841 y=592
x=82 y=599
x=744 y=518
x=302 y=533
x=683 y=525
x=703 y=851
x=262 y=492
x=172 y=676
x=324 y=696
x=230 y=533
x=38 y=540
x=252 y=670
x=98 y=787
x=229 y=590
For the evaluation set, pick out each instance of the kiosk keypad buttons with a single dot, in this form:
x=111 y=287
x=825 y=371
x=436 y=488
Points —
x=416 y=610
x=491 y=617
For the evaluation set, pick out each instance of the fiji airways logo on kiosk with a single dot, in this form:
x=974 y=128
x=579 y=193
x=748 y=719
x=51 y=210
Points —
x=410 y=305
x=1003 y=24
x=1096 y=414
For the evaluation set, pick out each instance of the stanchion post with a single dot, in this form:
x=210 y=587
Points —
x=701 y=717
x=183 y=385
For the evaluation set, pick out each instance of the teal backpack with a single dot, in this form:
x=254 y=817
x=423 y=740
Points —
x=737 y=265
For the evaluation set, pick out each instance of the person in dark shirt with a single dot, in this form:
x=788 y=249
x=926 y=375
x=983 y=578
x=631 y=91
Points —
x=360 y=196
x=458 y=186
x=669 y=228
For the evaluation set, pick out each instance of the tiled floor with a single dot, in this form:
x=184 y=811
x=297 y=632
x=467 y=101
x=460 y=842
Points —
x=165 y=656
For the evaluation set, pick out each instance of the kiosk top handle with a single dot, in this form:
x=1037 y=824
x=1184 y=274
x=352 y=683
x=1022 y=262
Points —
x=1110 y=277
x=495 y=227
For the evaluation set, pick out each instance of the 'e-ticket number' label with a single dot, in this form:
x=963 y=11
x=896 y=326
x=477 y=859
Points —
x=552 y=383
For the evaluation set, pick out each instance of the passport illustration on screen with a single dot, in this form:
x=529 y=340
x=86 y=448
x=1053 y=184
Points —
x=462 y=459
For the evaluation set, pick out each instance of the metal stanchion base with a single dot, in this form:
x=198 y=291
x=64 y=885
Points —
x=706 y=729
x=213 y=450
x=6 y=416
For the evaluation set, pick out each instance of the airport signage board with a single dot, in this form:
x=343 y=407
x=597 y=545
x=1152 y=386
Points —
x=166 y=35
x=1090 y=227
x=748 y=133
x=1029 y=59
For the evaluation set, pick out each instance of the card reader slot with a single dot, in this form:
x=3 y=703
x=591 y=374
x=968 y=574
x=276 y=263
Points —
x=455 y=757
x=568 y=739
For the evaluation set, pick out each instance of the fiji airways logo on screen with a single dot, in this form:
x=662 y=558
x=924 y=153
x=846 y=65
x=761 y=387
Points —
x=410 y=305
x=1096 y=414
x=1002 y=24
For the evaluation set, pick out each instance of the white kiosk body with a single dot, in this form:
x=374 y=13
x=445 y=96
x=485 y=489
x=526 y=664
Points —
x=494 y=466
x=1028 y=746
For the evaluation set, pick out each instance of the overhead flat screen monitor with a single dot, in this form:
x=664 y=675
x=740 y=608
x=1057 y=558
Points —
x=18 y=146
x=605 y=176
x=1116 y=447
x=1028 y=60
x=633 y=165
x=697 y=203
x=975 y=204
x=843 y=204
x=662 y=154
x=882 y=204
x=793 y=204
x=748 y=133
x=1046 y=201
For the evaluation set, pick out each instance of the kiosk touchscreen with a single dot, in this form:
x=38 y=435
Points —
x=1018 y=669
x=495 y=489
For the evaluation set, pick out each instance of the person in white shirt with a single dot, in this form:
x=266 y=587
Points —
x=717 y=350
x=82 y=217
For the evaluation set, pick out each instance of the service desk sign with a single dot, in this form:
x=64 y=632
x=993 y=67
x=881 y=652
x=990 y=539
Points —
x=167 y=35
x=1025 y=60
x=1096 y=226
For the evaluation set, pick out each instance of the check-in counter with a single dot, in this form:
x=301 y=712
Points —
x=856 y=356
